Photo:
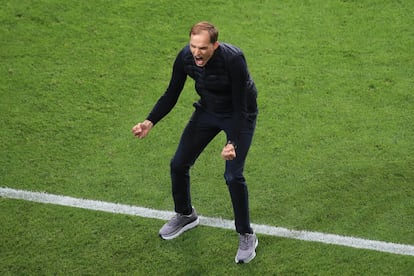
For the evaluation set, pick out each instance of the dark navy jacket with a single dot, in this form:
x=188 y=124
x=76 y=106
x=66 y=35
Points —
x=223 y=84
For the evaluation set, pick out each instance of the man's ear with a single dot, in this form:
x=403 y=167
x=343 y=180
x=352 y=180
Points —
x=215 y=45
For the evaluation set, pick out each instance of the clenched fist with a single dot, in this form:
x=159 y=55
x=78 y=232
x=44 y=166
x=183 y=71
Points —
x=141 y=130
x=228 y=152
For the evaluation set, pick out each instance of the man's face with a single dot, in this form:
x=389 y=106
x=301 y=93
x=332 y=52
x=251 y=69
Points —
x=201 y=48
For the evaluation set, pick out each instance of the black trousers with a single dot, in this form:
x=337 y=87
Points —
x=200 y=130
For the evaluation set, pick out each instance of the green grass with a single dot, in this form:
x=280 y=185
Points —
x=73 y=241
x=333 y=151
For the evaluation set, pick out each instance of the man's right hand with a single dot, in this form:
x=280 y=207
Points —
x=141 y=130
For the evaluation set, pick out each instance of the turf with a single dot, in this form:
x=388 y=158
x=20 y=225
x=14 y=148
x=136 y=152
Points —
x=333 y=150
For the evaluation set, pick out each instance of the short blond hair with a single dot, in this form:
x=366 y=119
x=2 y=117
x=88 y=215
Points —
x=205 y=26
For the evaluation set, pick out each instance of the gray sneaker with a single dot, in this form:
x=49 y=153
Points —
x=247 y=248
x=178 y=224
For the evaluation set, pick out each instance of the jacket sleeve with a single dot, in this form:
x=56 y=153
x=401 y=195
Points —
x=239 y=75
x=168 y=100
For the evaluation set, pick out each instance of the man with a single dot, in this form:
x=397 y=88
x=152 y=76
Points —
x=227 y=103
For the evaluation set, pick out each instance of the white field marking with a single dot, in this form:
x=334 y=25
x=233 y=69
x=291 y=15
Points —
x=402 y=249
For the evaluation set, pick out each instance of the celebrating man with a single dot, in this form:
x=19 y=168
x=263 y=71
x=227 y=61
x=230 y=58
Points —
x=227 y=103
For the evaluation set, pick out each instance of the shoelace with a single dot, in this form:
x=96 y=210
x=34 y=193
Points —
x=244 y=242
x=176 y=219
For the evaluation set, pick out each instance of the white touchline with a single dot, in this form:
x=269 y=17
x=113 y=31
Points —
x=395 y=248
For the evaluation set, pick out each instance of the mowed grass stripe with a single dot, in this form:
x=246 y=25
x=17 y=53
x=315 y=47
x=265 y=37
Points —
x=117 y=208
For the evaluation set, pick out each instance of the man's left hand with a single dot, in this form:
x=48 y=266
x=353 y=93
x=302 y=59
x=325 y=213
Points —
x=228 y=152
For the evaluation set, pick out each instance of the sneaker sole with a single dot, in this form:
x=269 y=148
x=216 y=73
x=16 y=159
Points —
x=251 y=256
x=182 y=230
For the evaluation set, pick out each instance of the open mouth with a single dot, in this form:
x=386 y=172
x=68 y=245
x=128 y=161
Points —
x=199 y=60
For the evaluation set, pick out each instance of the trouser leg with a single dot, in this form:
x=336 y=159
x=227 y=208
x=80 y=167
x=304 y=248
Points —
x=236 y=182
x=196 y=136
